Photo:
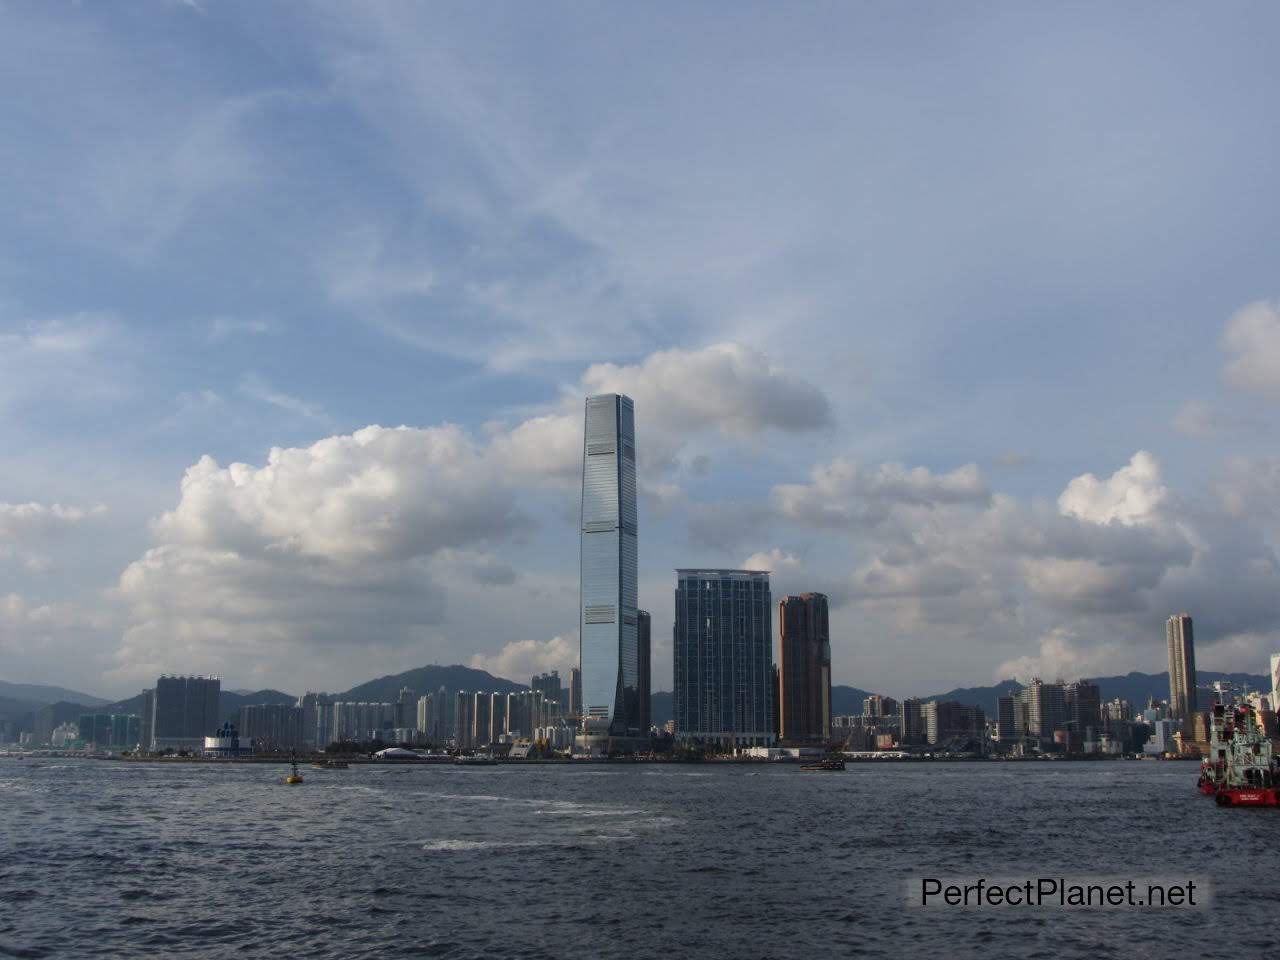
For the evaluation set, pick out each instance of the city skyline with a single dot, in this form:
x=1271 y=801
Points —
x=730 y=693
x=708 y=457
x=933 y=355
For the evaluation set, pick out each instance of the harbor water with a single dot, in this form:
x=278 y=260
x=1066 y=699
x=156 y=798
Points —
x=115 y=859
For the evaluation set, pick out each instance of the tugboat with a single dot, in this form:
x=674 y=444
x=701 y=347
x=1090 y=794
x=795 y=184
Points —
x=833 y=762
x=1239 y=771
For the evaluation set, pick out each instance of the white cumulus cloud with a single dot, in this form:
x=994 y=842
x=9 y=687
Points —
x=774 y=559
x=725 y=390
x=1131 y=495
x=327 y=546
x=1060 y=655
x=725 y=386
x=521 y=659
x=944 y=570
x=844 y=493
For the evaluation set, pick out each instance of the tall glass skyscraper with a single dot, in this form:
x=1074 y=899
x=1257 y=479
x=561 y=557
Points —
x=724 y=658
x=608 y=624
x=1180 y=636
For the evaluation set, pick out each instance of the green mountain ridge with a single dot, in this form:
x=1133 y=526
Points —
x=41 y=694
x=429 y=679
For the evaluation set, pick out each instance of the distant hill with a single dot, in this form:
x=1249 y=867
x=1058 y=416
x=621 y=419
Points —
x=17 y=712
x=986 y=697
x=846 y=700
x=1135 y=687
x=42 y=714
x=1140 y=687
x=39 y=694
x=41 y=718
x=130 y=705
x=423 y=680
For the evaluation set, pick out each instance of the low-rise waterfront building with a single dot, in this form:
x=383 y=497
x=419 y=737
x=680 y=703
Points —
x=226 y=743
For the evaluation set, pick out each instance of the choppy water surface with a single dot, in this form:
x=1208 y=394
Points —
x=109 y=859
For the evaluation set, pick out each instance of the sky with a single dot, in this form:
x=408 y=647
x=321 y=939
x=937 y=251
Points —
x=967 y=316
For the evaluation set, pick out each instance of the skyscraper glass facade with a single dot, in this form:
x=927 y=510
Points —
x=723 y=642
x=186 y=711
x=548 y=684
x=1180 y=635
x=645 y=645
x=608 y=624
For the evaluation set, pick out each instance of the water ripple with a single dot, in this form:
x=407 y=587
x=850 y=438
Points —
x=102 y=859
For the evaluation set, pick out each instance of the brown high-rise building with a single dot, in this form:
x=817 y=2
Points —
x=804 y=668
x=1182 y=667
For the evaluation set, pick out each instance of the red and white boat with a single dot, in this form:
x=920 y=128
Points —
x=1239 y=771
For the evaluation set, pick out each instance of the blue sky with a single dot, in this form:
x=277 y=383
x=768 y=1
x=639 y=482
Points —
x=963 y=316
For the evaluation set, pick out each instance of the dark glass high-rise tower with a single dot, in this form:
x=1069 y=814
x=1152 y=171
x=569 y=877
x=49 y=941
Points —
x=646 y=669
x=608 y=622
x=548 y=684
x=804 y=664
x=723 y=646
x=1182 y=666
x=186 y=711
